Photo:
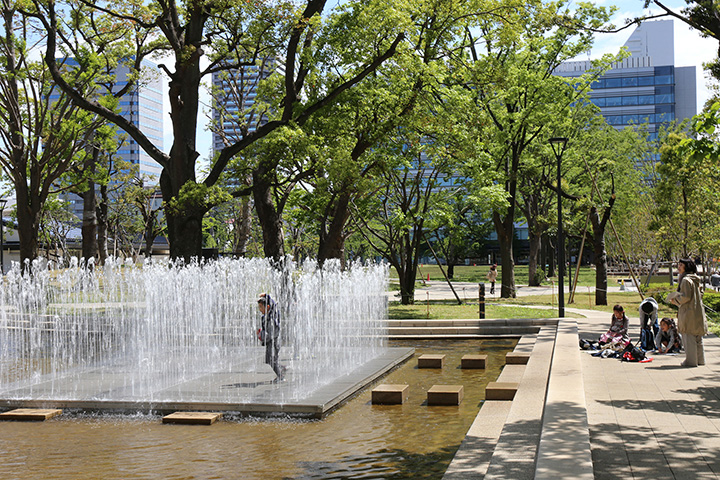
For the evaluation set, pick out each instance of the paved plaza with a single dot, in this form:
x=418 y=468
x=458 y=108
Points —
x=651 y=420
x=601 y=418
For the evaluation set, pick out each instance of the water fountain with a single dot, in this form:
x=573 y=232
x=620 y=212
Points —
x=161 y=337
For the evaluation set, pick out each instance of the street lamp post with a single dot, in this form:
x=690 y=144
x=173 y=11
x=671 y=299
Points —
x=558 y=145
x=3 y=202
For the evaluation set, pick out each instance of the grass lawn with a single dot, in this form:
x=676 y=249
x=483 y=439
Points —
x=476 y=274
x=451 y=310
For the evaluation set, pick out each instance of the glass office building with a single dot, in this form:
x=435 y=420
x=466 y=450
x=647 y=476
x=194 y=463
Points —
x=234 y=112
x=645 y=87
x=144 y=108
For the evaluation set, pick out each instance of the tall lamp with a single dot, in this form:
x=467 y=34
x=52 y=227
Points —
x=3 y=202
x=558 y=145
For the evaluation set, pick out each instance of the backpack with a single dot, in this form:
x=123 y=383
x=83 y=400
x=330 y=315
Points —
x=632 y=354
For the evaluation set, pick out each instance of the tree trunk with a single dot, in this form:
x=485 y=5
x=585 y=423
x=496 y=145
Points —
x=102 y=225
x=89 y=223
x=149 y=235
x=244 y=224
x=184 y=227
x=407 y=286
x=600 y=267
x=269 y=217
x=332 y=239
x=28 y=220
x=504 y=229
x=535 y=244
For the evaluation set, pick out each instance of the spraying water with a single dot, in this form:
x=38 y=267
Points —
x=163 y=333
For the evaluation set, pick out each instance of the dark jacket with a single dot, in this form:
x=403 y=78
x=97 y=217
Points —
x=270 y=322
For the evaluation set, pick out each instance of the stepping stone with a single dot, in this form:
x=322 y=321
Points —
x=500 y=390
x=390 y=394
x=473 y=361
x=431 y=361
x=445 y=395
x=30 y=414
x=514 y=358
x=192 y=418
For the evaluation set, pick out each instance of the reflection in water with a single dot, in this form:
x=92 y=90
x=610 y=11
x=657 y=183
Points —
x=359 y=440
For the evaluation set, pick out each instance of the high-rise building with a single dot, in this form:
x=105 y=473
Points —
x=646 y=86
x=143 y=106
x=234 y=112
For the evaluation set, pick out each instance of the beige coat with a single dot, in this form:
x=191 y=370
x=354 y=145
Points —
x=492 y=275
x=691 y=313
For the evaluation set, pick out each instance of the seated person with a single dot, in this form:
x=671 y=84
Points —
x=618 y=332
x=667 y=340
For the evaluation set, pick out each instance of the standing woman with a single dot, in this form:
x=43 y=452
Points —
x=492 y=277
x=692 y=324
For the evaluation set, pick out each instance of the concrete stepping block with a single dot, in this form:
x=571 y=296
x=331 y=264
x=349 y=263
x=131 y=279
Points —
x=473 y=361
x=30 y=414
x=429 y=360
x=390 y=394
x=192 y=418
x=445 y=395
x=515 y=358
x=500 y=390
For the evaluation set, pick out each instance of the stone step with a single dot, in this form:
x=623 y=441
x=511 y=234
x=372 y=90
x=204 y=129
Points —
x=390 y=394
x=445 y=395
x=30 y=414
x=192 y=418
x=500 y=390
x=473 y=361
x=452 y=330
x=470 y=322
x=430 y=360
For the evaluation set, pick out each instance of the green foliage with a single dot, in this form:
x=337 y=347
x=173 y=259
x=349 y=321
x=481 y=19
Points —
x=196 y=198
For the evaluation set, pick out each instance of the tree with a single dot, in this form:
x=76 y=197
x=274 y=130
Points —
x=42 y=133
x=202 y=38
x=408 y=191
x=518 y=97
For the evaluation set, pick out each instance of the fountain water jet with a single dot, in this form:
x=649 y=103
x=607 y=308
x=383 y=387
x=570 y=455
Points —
x=161 y=336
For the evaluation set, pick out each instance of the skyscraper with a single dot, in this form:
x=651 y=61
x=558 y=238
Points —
x=143 y=106
x=645 y=87
x=235 y=112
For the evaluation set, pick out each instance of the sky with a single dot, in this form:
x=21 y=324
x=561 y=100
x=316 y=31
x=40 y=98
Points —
x=690 y=49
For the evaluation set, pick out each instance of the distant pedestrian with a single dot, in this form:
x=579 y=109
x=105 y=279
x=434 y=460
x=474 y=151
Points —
x=269 y=333
x=692 y=323
x=492 y=276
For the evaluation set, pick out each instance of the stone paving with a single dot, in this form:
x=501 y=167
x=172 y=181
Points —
x=603 y=418
x=651 y=420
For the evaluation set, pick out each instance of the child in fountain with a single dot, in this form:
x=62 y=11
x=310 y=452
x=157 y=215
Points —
x=269 y=333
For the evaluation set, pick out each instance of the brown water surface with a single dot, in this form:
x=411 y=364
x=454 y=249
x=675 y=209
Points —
x=359 y=440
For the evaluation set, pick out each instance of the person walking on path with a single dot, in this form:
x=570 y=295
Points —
x=269 y=333
x=492 y=276
x=692 y=323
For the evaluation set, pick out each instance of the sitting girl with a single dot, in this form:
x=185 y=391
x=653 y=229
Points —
x=667 y=340
x=618 y=333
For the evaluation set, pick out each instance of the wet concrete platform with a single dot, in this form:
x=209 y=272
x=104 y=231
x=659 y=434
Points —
x=244 y=389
